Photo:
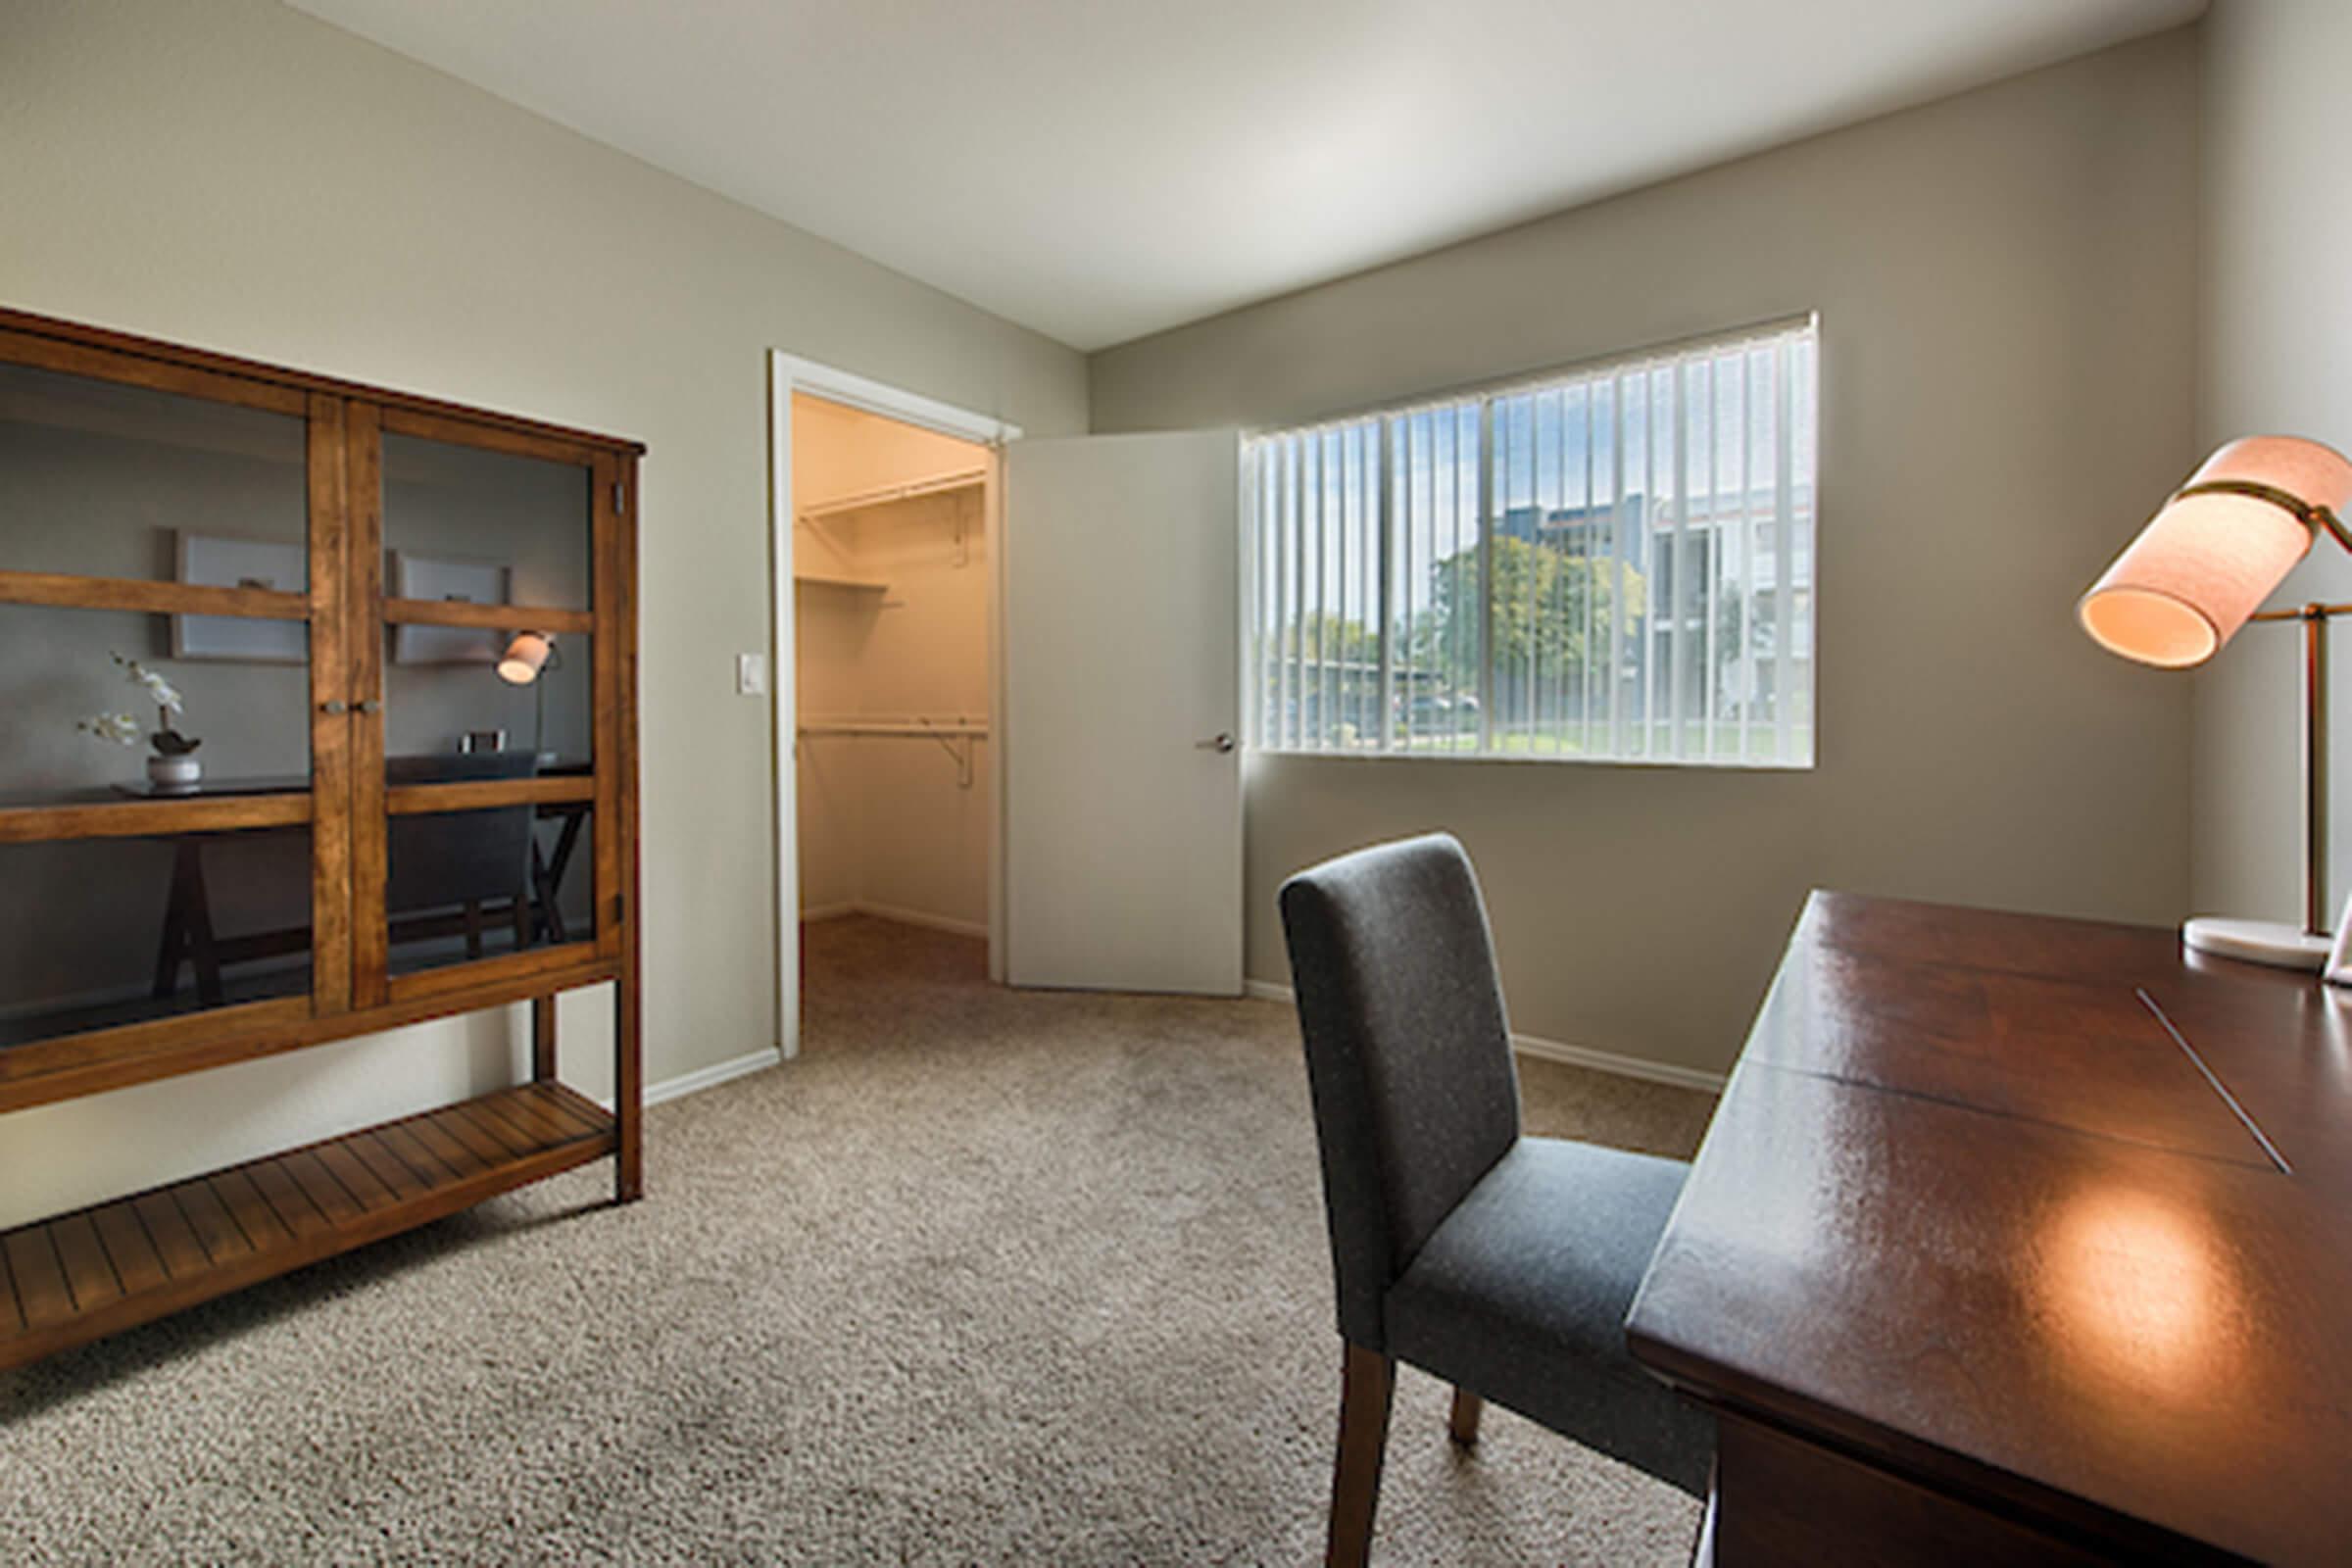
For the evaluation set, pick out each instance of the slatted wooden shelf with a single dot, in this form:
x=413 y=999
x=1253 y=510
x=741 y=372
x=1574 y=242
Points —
x=81 y=1276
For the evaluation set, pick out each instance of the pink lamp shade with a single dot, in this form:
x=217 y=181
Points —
x=525 y=657
x=2211 y=555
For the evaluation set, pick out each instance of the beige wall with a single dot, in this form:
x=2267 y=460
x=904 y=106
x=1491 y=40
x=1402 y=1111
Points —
x=2277 y=321
x=2005 y=281
x=243 y=178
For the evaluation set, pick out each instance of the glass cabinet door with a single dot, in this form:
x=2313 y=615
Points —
x=106 y=479
x=155 y=705
x=490 y=720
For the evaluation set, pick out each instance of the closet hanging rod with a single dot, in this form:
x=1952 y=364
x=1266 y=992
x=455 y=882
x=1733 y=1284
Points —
x=958 y=737
x=895 y=492
x=949 y=727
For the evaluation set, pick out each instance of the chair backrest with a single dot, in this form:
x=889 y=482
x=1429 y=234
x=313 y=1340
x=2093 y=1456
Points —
x=1408 y=1054
x=444 y=859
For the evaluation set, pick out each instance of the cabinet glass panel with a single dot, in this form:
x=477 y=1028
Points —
x=482 y=884
x=98 y=479
x=99 y=932
x=482 y=528
x=452 y=689
x=78 y=716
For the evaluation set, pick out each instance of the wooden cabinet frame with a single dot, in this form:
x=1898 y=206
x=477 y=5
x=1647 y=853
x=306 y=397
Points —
x=491 y=1145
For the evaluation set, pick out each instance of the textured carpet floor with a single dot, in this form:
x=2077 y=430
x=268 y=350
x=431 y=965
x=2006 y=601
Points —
x=985 y=1277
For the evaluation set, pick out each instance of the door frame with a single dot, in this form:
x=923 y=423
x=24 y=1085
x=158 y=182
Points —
x=789 y=373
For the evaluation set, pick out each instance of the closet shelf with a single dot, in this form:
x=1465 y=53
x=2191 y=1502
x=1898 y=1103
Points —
x=958 y=736
x=862 y=585
x=939 y=485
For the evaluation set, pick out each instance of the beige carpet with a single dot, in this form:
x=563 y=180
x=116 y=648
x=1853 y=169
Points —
x=986 y=1277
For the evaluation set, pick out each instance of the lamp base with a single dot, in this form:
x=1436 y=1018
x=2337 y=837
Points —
x=2272 y=942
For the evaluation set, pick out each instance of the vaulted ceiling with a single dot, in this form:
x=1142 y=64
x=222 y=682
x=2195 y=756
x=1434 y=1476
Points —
x=1100 y=170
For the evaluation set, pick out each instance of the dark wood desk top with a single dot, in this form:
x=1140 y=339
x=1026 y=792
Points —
x=2051 y=1215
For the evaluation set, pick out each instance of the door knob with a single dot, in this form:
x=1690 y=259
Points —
x=1218 y=743
x=371 y=705
x=334 y=706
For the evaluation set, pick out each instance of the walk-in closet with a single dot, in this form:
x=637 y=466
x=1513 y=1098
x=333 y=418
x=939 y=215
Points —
x=891 y=604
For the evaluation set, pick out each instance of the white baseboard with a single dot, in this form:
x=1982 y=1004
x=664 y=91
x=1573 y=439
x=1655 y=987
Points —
x=1610 y=1061
x=891 y=912
x=711 y=1077
x=1656 y=1072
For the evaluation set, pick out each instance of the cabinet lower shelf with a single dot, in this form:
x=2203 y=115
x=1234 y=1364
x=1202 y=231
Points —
x=82 y=1276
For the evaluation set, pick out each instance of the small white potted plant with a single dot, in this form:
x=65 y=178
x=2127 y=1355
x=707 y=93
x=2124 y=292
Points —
x=172 y=766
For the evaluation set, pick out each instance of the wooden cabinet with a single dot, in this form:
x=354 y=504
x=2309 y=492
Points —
x=401 y=636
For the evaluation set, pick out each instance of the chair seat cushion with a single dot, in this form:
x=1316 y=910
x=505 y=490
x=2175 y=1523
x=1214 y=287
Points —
x=1521 y=1295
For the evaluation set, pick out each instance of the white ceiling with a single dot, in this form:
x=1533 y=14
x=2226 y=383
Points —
x=1102 y=169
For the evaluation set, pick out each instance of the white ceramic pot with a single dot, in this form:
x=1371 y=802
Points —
x=173 y=772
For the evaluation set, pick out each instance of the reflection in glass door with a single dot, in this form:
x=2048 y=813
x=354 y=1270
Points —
x=489 y=716
x=156 y=599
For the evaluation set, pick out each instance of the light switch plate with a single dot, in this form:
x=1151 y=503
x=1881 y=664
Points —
x=751 y=674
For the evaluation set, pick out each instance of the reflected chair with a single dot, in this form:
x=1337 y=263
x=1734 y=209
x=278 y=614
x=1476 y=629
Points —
x=461 y=861
x=1500 y=1263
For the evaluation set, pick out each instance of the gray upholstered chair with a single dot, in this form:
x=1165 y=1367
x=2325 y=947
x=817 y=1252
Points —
x=1501 y=1263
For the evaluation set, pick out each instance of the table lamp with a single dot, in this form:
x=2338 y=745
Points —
x=2181 y=590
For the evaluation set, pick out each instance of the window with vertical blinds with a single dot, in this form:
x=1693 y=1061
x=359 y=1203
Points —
x=1614 y=563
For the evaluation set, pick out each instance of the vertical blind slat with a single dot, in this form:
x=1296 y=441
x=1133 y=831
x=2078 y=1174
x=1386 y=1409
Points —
x=1649 y=563
x=1530 y=704
x=1676 y=618
x=1784 y=521
x=1370 y=463
x=1620 y=605
x=1388 y=591
x=1709 y=609
x=1273 y=456
x=1590 y=564
x=1742 y=587
x=1294 y=700
x=1312 y=710
x=1407 y=580
x=1333 y=521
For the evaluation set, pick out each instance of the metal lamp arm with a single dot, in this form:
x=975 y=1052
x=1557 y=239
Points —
x=2313 y=517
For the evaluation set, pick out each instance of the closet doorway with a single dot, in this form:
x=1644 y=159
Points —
x=887 y=677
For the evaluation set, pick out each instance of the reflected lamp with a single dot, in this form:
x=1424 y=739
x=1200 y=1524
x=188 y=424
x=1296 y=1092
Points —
x=525 y=657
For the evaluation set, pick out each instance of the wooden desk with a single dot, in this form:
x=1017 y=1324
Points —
x=2020 y=1239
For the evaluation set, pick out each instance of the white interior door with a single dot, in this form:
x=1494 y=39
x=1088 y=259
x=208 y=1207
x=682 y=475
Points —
x=1122 y=713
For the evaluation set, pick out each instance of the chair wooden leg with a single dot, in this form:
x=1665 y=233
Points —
x=1467 y=1407
x=1367 y=1384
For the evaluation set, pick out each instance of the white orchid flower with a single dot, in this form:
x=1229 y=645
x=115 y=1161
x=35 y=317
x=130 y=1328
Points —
x=121 y=728
x=166 y=695
x=160 y=691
